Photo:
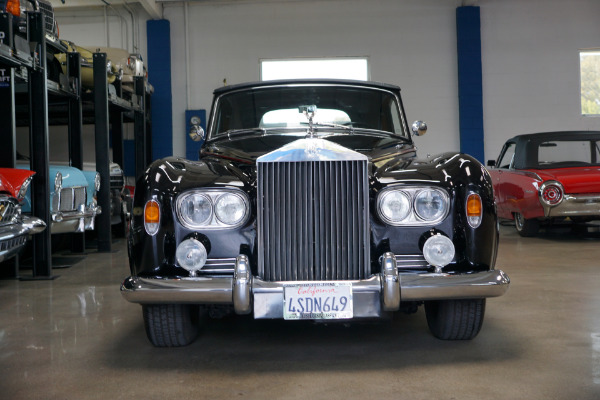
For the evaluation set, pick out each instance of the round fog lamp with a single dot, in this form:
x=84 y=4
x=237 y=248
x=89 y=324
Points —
x=438 y=250
x=191 y=255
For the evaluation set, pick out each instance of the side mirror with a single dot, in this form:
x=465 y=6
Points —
x=491 y=163
x=196 y=133
x=419 y=128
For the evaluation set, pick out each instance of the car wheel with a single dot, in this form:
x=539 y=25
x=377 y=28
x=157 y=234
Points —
x=455 y=319
x=171 y=325
x=526 y=227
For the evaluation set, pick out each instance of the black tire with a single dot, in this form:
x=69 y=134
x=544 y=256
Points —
x=455 y=319
x=526 y=227
x=171 y=325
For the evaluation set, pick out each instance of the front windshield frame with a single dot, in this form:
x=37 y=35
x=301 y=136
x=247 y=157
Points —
x=211 y=136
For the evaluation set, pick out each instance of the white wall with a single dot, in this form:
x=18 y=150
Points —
x=529 y=49
x=409 y=43
x=531 y=66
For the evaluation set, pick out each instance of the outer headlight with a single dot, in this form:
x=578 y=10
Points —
x=58 y=182
x=213 y=208
x=430 y=204
x=195 y=209
x=394 y=206
x=97 y=182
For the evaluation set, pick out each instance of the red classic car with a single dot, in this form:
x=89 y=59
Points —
x=15 y=228
x=542 y=178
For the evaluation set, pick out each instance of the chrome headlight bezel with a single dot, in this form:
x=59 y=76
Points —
x=413 y=217
x=58 y=182
x=24 y=188
x=213 y=196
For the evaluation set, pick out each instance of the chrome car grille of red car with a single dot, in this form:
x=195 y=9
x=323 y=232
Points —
x=8 y=209
x=313 y=220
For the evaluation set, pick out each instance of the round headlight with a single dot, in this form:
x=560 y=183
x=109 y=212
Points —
x=97 y=182
x=191 y=255
x=58 y=182
x=430 y=204
x=394 y=206
x=196 y=209
x=230 y=208
x=438 y=250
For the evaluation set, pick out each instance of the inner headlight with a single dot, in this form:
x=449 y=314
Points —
x=430 y=204
x=394 y=206
x=213 y=208
x=230 y=208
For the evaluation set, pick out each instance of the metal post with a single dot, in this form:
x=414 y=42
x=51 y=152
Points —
x=141 y=142
x=38 y=131
x=103 y=229
x=75 y=132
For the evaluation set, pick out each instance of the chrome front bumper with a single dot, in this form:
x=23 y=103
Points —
x=372 y=297
x=14 y=236
x=75 y=221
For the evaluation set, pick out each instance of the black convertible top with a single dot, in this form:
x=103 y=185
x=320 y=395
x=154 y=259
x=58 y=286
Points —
x=283 y=82
x=526 y=155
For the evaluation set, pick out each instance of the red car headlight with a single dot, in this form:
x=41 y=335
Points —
x=552 y=193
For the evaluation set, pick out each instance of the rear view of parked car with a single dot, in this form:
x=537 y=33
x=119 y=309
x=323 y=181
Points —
x=547 y=178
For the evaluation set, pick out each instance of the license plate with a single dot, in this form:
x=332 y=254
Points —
x=318 y=300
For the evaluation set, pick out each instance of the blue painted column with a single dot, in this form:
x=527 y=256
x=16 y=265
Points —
x=470 y=92
x=159 y=75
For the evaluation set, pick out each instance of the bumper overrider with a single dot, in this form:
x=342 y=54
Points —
x=75 y=221
x=14 y=236
x=371 y=297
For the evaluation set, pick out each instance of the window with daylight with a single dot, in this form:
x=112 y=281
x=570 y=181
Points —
x=338 y=68
x=589 y=66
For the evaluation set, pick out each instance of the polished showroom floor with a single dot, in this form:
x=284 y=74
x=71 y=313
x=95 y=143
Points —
x=76 y=338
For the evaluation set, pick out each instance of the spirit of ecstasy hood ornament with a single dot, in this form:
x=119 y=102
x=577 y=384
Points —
x=309 y=112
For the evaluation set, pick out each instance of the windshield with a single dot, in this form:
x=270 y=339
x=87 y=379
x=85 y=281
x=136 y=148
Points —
x=284 y=108
x=567 y=153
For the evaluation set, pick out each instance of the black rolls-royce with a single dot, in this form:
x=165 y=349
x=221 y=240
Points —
x=308 y=203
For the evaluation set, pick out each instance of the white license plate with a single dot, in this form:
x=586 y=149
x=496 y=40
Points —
x=318 y=300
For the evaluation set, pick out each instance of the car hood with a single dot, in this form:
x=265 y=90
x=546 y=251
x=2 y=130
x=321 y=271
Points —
x=574 y=180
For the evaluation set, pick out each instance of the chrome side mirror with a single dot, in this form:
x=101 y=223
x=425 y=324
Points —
x=419 y=128
x=196 y=133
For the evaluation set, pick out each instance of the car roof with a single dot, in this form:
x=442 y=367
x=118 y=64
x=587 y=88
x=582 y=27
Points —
x=284 y=82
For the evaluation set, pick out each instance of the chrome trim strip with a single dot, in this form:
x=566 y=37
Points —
x=575 y=205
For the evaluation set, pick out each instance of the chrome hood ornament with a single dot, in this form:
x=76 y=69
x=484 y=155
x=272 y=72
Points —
x=309 y=112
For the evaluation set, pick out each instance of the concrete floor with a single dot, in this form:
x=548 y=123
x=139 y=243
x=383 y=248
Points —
x=76 y=338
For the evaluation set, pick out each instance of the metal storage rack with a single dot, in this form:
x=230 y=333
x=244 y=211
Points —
x=27 y=95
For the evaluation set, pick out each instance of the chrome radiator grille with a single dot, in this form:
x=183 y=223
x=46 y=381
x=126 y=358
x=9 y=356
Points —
x=8 y=210
x=48 y=11
x=313 y=220
x=70 y=199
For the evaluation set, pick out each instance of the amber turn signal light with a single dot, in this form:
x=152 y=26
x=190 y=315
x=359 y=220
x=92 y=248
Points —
x=151 y=217
x=474 y=210
x=14 y=7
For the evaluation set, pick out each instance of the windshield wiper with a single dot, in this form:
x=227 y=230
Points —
x=243 y=132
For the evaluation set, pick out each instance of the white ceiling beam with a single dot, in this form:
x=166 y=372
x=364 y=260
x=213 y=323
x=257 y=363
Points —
x=152 y=8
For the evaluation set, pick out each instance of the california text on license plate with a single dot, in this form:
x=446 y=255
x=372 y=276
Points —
x=318 y=300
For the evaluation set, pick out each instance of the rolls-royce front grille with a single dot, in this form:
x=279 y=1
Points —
x=313 y=220
x=70 y=199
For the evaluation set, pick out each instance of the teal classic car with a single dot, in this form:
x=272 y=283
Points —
x=73 y=204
